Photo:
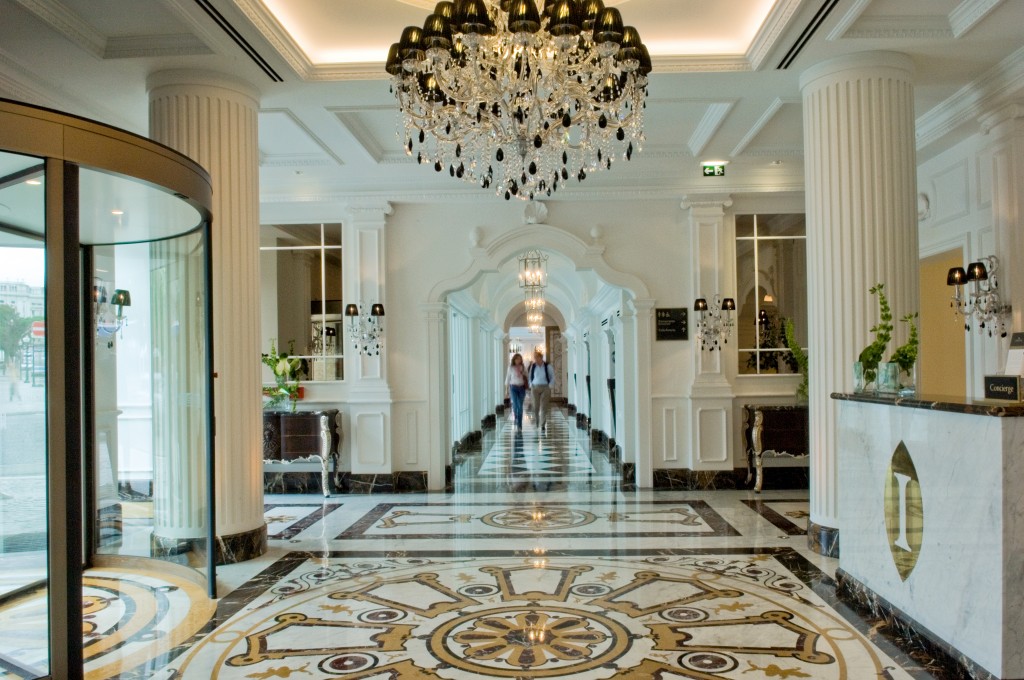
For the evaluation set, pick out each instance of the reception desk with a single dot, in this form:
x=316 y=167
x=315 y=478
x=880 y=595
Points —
x=931 y=521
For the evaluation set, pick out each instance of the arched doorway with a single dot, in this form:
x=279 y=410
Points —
x=604 y=297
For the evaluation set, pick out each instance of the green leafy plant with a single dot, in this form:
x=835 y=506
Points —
x=799 y=357
x=287 y=370
x=871 y=355
x=906 y=355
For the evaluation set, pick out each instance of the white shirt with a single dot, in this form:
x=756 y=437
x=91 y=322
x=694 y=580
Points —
x=541 y=374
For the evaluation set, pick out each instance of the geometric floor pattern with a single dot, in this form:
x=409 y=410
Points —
x=665 y=616
x=536 y=566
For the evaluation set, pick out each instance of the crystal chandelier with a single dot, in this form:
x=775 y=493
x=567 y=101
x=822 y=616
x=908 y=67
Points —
x=505 y=95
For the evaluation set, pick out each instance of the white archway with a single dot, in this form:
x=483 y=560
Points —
x=637 y=321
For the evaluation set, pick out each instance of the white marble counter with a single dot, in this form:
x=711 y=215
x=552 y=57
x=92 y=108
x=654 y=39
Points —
x=963 y=577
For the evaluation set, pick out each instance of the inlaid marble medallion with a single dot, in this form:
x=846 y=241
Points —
x=696 y=617
x=552 y=518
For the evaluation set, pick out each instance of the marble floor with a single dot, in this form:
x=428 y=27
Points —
x=536 y=566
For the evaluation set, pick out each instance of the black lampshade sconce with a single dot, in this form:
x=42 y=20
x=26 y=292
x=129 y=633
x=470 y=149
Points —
x=714 y=321
x=976 y=296
x=366 y=329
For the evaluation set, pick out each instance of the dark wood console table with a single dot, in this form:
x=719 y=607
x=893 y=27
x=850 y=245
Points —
x=302 y=441
x=776 y=435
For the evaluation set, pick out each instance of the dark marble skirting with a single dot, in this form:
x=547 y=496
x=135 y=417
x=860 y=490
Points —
x=570 y=410
x=582 y=421
x=823 y=540
x=489 y=422
x=629 y=477
x=920 y=643
x=405 y=481
x=599 y=440
x=693 y=480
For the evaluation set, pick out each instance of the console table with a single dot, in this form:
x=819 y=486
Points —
x=302 y=441
x=775 y=436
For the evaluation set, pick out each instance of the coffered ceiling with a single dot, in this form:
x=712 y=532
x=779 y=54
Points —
x=725 y=82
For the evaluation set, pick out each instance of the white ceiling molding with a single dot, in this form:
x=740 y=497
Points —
x=968 y=13
x=23 y=85
x=198 y=22
x=1003 y=82
x=708 y=126
x=901 y=28
x=349 y=119
x=848 y=19
x=760 y=124
x=294 y=160
x=275 y=34
x=68 y=24
x=297 y=122
x=699 y=64
x=176 y=45
x=771 y=31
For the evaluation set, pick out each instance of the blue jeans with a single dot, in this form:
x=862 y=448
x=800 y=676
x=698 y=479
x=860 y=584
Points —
x=518 y=394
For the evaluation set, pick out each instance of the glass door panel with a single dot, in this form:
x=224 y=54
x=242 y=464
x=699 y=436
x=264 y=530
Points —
x=24 y=541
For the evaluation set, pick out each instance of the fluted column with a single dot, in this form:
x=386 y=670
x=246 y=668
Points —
x=711 y=395
x=212 y=119
x=638 y=319
x=861 y=187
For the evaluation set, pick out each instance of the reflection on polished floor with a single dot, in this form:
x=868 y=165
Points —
x=535 y=567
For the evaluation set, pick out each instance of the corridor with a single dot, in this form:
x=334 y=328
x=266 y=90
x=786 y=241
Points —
x=536 y=566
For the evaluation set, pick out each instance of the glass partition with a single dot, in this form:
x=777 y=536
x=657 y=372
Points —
x=23 y=471
x=149 y=356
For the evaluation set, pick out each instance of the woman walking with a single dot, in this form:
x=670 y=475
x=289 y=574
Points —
x=515 y=381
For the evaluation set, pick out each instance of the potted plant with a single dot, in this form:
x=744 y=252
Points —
x=799 y=357
x=871 y=356
x=905 y=356
x=287 y=370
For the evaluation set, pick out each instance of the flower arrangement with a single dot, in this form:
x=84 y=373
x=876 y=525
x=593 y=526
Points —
x=287 y=370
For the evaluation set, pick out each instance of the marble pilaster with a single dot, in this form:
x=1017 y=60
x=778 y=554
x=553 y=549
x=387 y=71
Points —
x=711 y=395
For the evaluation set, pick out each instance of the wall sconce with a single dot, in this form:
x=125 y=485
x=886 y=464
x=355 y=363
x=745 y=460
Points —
x=366 y=329
x=714 y=322
x=981 y=302
x=105 y=325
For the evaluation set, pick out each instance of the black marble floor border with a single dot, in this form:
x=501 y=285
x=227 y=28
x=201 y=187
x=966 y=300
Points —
x=356 y=531
x=760 y=506
x=294 y=529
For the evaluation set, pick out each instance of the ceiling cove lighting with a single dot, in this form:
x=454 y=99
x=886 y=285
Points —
x=520 y=96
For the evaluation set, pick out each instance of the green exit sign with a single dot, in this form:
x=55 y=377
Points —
x=713 y=169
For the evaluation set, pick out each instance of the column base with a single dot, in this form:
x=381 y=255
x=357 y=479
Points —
x=241 y=547
x=823 y=540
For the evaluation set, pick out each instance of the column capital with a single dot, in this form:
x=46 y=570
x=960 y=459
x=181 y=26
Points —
x=435 y=311
x=194 y=80
x=642 y=305
x=857 y=65
x=1007 y=113
x=369 y=214
x=711 y=205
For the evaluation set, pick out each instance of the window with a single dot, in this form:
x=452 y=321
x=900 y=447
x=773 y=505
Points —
x=771 y=272
x=302 y=312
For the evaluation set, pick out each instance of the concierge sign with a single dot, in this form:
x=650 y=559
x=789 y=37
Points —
x=671 y=324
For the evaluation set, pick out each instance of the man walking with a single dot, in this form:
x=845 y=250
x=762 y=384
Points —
x=542 y=377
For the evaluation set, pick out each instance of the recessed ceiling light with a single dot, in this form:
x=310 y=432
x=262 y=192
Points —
x=776 y=163
x=34 y=182
x=115 y=211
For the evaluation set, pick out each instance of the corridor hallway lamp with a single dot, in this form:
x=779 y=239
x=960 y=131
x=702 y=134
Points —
x=976 y=296
x=366 y=329
x=521 y=96
x=714 y=322
x=533 y=271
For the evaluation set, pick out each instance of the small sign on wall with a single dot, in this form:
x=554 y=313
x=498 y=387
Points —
x=671 y=324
